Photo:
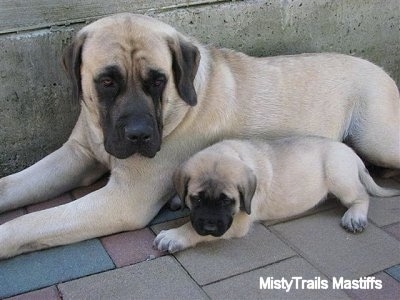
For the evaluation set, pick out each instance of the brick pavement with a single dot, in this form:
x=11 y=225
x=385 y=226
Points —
x=124 y=265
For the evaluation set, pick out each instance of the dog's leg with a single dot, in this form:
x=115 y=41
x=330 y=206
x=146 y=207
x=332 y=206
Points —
x=111 y=209
x=68 y=167
x=379 y=120
x=183 y=237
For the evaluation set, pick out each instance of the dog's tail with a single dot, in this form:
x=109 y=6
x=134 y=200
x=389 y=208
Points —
x=371 y=186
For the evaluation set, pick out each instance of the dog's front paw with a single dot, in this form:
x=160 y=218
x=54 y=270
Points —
x=169 y=240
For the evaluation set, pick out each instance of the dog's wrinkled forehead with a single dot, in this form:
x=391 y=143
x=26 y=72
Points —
x=129 y=21
x=126 y=39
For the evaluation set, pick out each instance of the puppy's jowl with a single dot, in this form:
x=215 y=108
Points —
x=234 y=183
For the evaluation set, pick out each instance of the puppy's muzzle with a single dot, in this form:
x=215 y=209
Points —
x=211 y=226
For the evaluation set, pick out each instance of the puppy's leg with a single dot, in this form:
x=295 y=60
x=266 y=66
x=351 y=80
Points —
x=357 y=201
x=68 y=167
x=183 y=237
x=344 y=183
x=355 y=218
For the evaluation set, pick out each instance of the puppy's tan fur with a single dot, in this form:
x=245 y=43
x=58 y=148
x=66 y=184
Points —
x=291 y=176
x=332 y=95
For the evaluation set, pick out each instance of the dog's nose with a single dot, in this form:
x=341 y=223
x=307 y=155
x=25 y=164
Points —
x=138 y=133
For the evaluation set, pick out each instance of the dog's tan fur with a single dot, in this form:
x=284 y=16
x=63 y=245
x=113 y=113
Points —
x=331 y=95
x=285 y=177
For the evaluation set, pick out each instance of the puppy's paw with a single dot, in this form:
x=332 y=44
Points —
x=354 y=222
x=169 y=240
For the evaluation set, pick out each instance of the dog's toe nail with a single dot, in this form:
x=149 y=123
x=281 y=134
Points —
x=354 y=225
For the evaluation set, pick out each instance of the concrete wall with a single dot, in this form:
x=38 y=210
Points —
x=37 y=114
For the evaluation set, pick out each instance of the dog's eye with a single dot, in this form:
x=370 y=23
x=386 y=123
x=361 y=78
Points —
x=158 y=82
x=107 y=82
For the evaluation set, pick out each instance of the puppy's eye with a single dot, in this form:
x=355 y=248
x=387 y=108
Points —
x=107 y=82
x=195 y=200
x=225 y=200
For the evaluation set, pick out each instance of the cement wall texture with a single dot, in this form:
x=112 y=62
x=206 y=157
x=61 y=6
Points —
x=36 y=110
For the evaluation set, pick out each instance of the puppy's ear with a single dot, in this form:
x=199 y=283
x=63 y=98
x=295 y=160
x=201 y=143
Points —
x=72 y=60
x=185 y=62
x=181 y=182
x=246 y=189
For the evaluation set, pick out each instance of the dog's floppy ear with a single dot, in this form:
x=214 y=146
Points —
x=181 y=182
x=246 y=189
x=185 y=62
x=72 y=60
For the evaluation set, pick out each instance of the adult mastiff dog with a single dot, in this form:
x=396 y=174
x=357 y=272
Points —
x=151 y=97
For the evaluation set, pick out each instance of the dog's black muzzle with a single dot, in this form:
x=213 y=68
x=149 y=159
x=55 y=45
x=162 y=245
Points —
x=137 y=135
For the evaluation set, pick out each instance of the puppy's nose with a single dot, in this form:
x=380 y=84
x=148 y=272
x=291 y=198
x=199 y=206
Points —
x=138 y=133
x=210 y=226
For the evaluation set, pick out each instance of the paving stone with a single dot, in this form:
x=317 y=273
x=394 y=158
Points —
x=394 y=230
x=394 y=272
x=84 y=190
x=165 y=215
x=170 y=224
x=390 y=290
x=161 y=278
x=384 y=211
x=50 y=293
x=63 y=199
x=45 y=268
x=247 y=285
x=387 y=182
x=130 y=247
x=9 y=215
x=213 y=261
x=320 y=239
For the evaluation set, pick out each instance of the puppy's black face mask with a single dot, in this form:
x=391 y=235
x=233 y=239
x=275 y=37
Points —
x=211 y=215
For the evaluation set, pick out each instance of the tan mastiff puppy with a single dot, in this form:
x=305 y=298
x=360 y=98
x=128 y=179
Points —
x=152 y=97
x=234 y=183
